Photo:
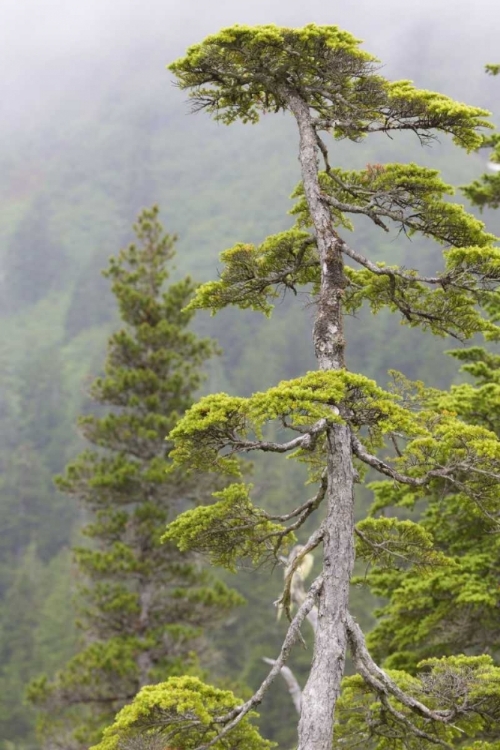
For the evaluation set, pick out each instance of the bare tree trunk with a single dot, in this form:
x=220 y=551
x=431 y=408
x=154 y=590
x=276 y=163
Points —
x=323 y=686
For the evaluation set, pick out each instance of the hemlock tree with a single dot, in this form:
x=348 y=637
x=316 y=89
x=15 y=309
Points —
x=143 y=606
x=339 y=423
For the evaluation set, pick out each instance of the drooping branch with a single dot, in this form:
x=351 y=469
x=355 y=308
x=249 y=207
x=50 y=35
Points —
x=409 y=726
x=384 y=468
x=466 y=687
x=307 y=507
x=380 y=682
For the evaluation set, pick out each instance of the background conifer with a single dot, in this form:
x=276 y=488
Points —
x=143 y=606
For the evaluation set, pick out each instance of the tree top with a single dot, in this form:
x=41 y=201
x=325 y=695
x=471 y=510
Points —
x=243 y=71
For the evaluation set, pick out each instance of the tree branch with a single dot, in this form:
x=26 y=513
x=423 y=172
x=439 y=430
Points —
x=293 y=634
x=376 y=463
x=306 y=441
x=293 y=686
x=377 y=679
x=312 y=543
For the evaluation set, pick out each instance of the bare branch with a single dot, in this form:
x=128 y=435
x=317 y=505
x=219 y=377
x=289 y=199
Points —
x=402 y=719
x=293 y=686
x=394 y=272
x=293 y=634
x=286 y=597
x=309 y=505
x=376 y=678
x=306 y=441
x=376 y=463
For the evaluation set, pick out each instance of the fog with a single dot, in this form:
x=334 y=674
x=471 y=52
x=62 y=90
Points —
x=57 y=56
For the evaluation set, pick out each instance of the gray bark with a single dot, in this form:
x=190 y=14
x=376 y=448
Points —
x=328 y=333
x=323 y=686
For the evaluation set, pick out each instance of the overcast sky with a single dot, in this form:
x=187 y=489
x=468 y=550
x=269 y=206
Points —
x=50 y=46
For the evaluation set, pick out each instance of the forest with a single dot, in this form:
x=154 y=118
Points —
x=221 y=249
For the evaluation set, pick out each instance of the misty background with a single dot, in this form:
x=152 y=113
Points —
x=92 y=129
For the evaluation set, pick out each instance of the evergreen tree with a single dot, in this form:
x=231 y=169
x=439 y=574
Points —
x=143 y=606
x=331 y=419
x=457 y=612
x=485 y=191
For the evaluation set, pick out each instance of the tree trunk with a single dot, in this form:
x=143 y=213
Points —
x=323 y=685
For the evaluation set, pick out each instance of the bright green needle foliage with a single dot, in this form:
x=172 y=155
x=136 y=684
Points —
x=444 y=614
x=467 y=689
x=404 y=197
x=230 y=530
x=485 y=191
x=253 y=276
x=244 y=71
x=184 y=713
x=391 y=543
x=452 y=311
x=219 y=426
x=250 y=64
x=143 y=605
x=408 y=196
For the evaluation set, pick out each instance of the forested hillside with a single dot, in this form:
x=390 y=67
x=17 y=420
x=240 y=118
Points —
x=97 y=131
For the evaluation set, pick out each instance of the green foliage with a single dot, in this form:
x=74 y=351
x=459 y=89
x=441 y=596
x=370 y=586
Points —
x=142 y=606
x=35 y=261
x=219 y=422
x=391 y=543
x=237 y=73
x=253 y=276
x=408 y=195
x=243 y=71
x=229 y=530
x=443 y=614
x=181 y=712
x=117 y=156
x=442 y=311
x=329 y=84
x=484 y=192
x=410 y=198
x=466 y=687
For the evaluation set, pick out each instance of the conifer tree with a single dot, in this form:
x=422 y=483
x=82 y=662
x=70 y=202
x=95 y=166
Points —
x=142 y=606
x=339 y=423
x=459 y=611
x=485 y=191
